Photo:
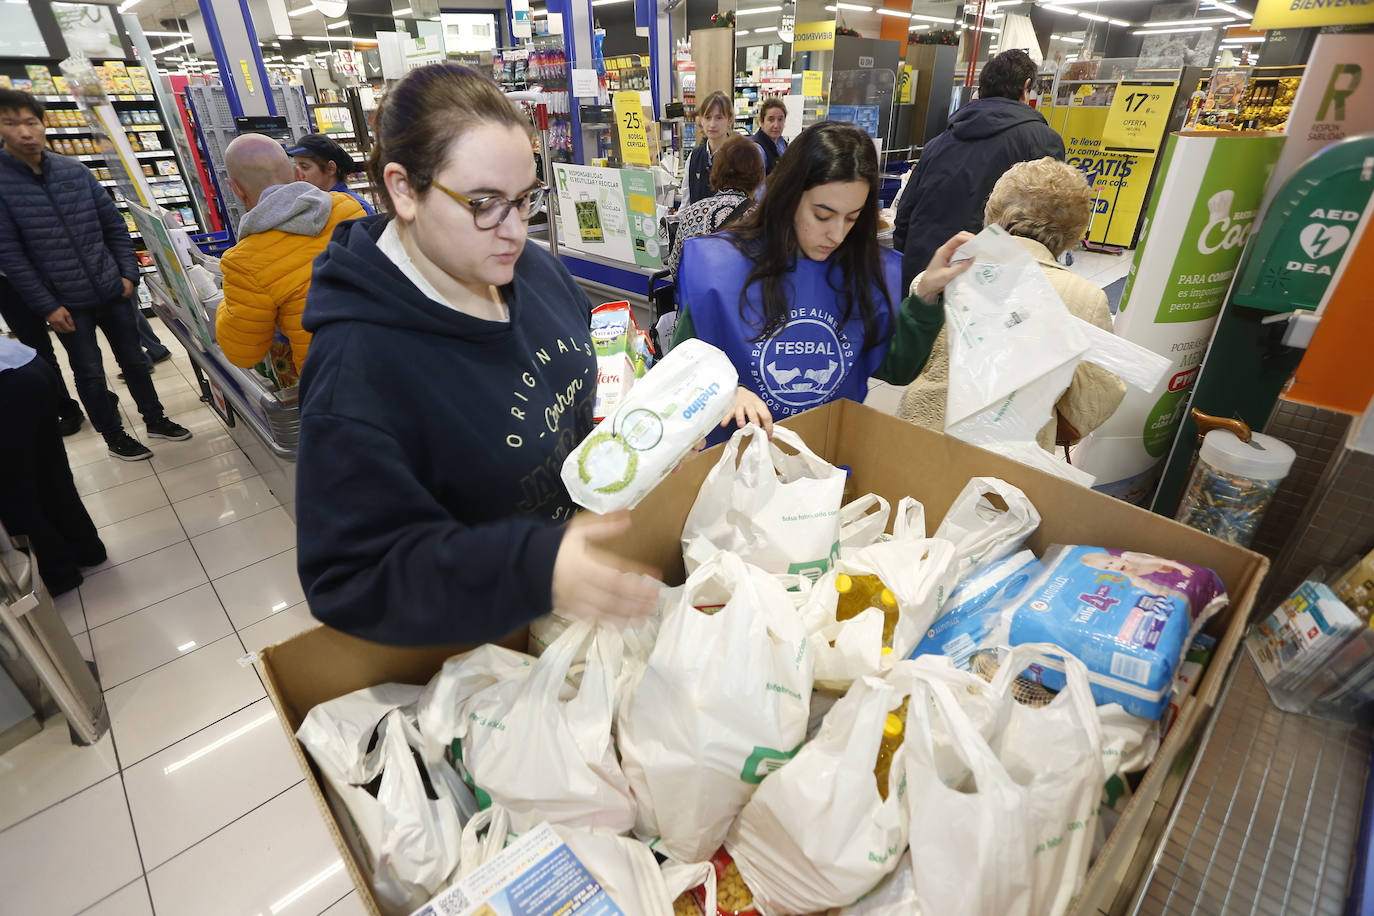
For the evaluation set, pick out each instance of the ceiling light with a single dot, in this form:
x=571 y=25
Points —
x=1158 y=23
x=919 y=28
x=767 y=28
x=173 y=46
x=1050 y=7
x=1232 y=9
x=607 y=2
x=285 y=37
x=157 y=34
x=1200 y=28
x=855 y=7
x=887 y=12
x=759 y=9
x=302 y=11
x=741 y=31
x=1245 y=40
x=339 y=38
x=402 y=12
x=1121 y=22
x=1001 y=3
x=1069 y=38
x=1082 y=14
x=933 y=19
x=128 y=5
x=337 y=25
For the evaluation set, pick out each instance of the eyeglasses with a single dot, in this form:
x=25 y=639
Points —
x=490 y=212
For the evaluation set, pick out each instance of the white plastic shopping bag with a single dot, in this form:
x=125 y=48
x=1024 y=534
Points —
x=439 y=712
x=775 y=503
x=722 y=702
x=538 y=747
x=862 y=522
x=1016 y=839
x=989 y=521
x=624 y=867
x=817 y=833
x=895 y=895
x=920 y=574
x=408 y=824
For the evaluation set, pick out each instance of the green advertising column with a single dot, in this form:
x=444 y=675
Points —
x=1198 y=223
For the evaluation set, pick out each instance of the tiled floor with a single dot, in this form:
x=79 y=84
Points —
x=193 y=803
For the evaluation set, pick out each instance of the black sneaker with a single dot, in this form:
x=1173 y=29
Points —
x=69 y=424
x=163 y=428
x=126 y=447
x=166 y=355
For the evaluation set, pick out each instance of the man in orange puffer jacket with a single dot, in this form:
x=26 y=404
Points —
x=267 y=274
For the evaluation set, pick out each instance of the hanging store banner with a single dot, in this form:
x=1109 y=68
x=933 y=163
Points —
x=609 y=213
x=1199 y=220
x=1303 y=14
x=1308 y=229
x=815 y=36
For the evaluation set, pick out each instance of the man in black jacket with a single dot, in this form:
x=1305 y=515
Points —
x=66 y=250
x=950 y=184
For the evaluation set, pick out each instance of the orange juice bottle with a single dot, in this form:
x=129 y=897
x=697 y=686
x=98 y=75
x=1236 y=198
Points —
x=894 y=730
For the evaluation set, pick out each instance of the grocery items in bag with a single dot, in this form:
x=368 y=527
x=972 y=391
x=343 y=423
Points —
x=819 y=833
x=990 y=519
x=894 y=730
x=858 y=593
x=406 y=815
x=613 y=340
x=1129 y=616
x=722 y=702
x=532 y=744
x=652 y=429
x=733 y=897
x=774 y=503
x=977 y=607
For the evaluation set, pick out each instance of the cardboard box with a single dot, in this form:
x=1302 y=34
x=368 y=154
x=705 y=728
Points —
x=888 y=457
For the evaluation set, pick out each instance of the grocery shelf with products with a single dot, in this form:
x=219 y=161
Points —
x=540 y=68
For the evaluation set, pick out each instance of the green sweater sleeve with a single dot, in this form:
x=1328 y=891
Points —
x=918 y=325
x=684 y=329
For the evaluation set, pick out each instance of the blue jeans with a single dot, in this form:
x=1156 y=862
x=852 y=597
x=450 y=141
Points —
x=117 y=320
x=147 y=338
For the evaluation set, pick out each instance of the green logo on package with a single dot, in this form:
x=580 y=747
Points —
x=987 y=274
x=1163 y=421
x=763 y=761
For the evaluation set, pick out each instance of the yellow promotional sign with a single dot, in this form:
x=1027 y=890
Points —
x=1302 y=14
x=1139 y=113
x=1119 y=180
x=905 y=84
x=811 y=83
x=814 y=36
x=629 y=121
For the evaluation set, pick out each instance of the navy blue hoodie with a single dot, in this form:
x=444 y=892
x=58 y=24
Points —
x=429 y=503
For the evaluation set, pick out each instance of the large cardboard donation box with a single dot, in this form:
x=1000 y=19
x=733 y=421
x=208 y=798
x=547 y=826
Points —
x=893 y=459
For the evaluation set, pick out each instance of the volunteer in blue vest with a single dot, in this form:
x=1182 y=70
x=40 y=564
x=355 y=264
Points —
x=451 y=372
x=321 y=161
x=772 y=119
x=800 y=295
x=715 y=118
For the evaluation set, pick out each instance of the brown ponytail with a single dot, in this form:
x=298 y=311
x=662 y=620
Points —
x=423 y=114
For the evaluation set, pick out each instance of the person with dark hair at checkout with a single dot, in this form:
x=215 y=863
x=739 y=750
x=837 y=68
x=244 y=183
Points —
x=321 y=161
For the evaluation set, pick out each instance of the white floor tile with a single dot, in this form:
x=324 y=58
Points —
x=207 y=474
x=225 y=506
x=141 y=535
x=352 y=905
x=83 y=645
x=69 y=609
x=262 y=589
x=277 y=859
x=281 y=625
x=71 y=855
x=87 y=451
x=884 y=397
x=48 y=768
x=139 y=642
x=202 y=444
x=102 y=475
x=167 y=704
x=124 y=501
x=183 y=794
x=138 y=583
x=243 y=543
x=130 y=900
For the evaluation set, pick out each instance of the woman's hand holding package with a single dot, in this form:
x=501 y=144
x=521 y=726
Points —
x=595 y=585
x=940 y=271
x=749 y=408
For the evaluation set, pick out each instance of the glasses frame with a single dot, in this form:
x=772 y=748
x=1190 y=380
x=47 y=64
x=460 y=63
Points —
x=476 y=203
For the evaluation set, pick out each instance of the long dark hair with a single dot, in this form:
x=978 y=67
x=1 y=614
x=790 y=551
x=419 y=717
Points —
x=824 y=152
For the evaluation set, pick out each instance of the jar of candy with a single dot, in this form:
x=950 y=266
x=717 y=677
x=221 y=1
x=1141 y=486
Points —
x=1233 y=484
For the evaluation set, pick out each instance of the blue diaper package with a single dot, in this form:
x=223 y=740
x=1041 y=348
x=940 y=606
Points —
x=1129 y=616
x=974 y=609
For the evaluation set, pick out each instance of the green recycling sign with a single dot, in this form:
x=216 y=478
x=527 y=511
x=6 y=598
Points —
x=1308 y=229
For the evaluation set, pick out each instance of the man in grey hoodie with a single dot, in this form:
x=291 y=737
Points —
x=267 y=274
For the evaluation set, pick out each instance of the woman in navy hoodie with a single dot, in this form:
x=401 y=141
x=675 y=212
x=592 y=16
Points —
x=450 y=373
x=800 y=295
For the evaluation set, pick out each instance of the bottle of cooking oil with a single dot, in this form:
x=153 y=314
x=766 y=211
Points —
x=894 y=730
x=859 y=593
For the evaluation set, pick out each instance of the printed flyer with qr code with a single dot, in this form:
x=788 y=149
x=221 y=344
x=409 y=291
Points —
x=537 y=875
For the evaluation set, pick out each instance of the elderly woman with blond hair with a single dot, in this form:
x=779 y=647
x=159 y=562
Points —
x=1046 y=205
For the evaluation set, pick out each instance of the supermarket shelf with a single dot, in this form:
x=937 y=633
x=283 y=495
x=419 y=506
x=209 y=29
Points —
x=182 y=199
x=87 y=157
x=159 y=179
x=133 y=98
x=108 y=184
x=153 y=153
x=347 y=136
x=69 y=131
x=142 y=127
x=55 y=98
x=136 y=235
x=149 y=269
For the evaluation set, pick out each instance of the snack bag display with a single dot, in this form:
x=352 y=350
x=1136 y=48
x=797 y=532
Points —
x=722 y=703
x=613 y=332
x=652 y=429
x=1129 y=616
x=825 y=829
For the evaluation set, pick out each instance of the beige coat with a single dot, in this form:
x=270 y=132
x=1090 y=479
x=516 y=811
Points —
x=1091 y=398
